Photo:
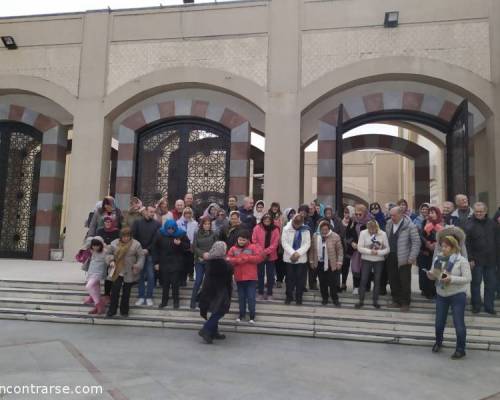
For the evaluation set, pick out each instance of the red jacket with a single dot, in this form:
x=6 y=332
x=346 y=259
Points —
x=259 y=238
x=245 y=261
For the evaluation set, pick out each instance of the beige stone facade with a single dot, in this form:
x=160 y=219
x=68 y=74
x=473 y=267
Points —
x=279 y=67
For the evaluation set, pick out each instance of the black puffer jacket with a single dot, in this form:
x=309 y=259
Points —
x=217 y=288
x=481 y=240
x=167 y=254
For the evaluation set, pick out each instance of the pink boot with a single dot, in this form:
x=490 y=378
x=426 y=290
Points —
x=88 y=300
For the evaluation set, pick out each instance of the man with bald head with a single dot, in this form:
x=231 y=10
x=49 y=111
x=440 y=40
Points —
x=463 y=211
x=247 y=218
x=404 y=246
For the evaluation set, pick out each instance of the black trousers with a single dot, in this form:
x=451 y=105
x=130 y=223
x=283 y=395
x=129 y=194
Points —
x=170 y=278
x=384 y=279
x=295 y=280
x=188 y=266
x=346 y=264
x=312 y=275
x=400 y=280
x=115 y=296
x=328 y=282
x=107 y=287
x=280 y=269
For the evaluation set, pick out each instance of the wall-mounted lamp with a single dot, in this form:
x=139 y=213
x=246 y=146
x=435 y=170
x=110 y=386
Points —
x=391 y=19
x=9 y=42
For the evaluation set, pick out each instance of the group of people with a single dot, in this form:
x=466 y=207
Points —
x=261 y=247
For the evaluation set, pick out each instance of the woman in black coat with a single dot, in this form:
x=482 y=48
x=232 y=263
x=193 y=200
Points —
x=215 y=296
x=169 y=248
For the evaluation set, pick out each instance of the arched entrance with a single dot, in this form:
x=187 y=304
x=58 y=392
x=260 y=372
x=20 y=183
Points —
x=181 y=155
x=20 y=158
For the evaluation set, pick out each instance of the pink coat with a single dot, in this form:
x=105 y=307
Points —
x=259 y=238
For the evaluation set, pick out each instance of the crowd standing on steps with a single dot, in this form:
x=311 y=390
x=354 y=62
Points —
x=255 y=249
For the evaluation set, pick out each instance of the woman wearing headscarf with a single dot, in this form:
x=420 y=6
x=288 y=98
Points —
x=108 y=209
x=169 y=249
x=346 y=263
x=288 y=215
x=190 y=226
x=211 y=211
x=276 y=214
x=215 y=295
x=358 y=223
x=431 y=227
x=162 y=210
x=259 y=210
x=452 y=275
x=125 y=257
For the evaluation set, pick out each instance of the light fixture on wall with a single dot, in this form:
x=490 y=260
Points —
x=9 y=42
x=391 y=19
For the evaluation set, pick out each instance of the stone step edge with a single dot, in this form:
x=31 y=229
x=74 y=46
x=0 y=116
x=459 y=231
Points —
x=314 y=319
x=334 y=334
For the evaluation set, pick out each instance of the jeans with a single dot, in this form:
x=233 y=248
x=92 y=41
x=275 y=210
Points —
x=457 y=303
x=295 y=281
x=366 y=269
x=147 y=275
x=488 y=274
x=200 y=273
x=115 y=295
x=267 y=268
x=328 y=282
x=212 y=324
x=247 y=294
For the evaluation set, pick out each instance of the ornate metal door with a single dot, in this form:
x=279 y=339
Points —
x=457 y=147
x=184 y=155
x=20 y=156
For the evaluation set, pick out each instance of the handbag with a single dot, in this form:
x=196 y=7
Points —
x=83 y=255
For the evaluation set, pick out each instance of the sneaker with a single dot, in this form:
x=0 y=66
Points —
x=355 y=291
x=238 y=320
x=149 y=302
x=436 y=348
x=376 y=305
x=219 y=336
x=140 y=302
x=251 y=322
x=205 y=335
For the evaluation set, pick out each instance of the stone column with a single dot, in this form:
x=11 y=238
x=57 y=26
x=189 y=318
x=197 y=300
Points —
x=50 y=192
x=282 y=155
x=91 y=147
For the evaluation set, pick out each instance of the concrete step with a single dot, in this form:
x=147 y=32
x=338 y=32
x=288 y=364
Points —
x=62 y=302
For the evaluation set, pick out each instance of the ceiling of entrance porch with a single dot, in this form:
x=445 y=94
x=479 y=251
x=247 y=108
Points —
x=390 y=95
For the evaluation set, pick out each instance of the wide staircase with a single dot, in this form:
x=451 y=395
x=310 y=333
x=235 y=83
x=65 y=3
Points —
x=63 y=302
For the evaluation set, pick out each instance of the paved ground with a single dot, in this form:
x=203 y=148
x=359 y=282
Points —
x=137 y=363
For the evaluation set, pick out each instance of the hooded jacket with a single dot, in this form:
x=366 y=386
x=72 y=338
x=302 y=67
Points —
x=166 y=253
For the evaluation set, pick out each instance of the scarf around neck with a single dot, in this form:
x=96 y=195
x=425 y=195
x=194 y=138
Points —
x=120 y=253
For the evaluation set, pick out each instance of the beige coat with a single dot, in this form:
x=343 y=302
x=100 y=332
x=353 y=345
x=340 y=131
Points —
x=333 y=247
x=134 y=256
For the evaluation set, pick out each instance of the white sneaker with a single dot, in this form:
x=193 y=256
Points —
x=355 y=292
x=238 y=320
x=149 y=302
x=251 y=322
x=140 y=302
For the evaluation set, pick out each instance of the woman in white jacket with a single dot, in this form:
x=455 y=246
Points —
x=373 y=246
x=296 y=241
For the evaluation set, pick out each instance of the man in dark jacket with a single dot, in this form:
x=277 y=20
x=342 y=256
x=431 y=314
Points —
x=481 y=241
x=248 y=220
x=144 y=231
